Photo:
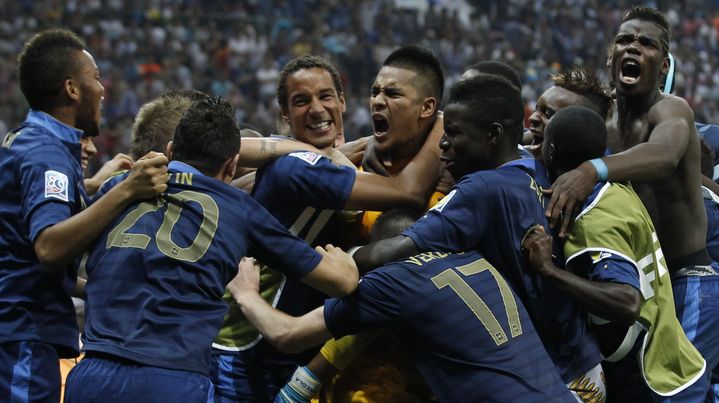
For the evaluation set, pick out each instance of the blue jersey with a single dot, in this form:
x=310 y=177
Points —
x=710 y=134
x=711 y=205
x=469 y=335
x=491 y=211
x=157 y=275
x=41 y=181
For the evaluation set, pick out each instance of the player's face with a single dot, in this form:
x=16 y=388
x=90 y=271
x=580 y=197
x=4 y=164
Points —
x=551 y=101
x=395 y=105
x=637 y=57
x=314 y=110
x=465 y=146
x=88 y=150
x=91 y=95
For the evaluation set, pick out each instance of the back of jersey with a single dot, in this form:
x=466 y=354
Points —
x=469 y=334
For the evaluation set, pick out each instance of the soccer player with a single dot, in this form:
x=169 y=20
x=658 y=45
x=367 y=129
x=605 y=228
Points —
x=494 y=204
x=246 y=367
x=656 y=147
x=711 y=203
x=627 y=289
x=467 y=332
x=43 y=227
x=156 y=277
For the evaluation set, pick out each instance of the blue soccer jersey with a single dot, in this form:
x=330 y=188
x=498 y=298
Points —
x=469 y=335
x=711 y=205
x=491 y=211
x=41 y=181
x=157 y=275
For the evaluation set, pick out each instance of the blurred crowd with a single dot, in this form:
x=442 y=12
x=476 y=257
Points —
x=236 y=49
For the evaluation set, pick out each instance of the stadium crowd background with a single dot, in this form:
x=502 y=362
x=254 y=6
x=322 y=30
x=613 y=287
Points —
x=236 y=49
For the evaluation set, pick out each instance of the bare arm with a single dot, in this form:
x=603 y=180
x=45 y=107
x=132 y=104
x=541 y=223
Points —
x=256 y=152
x=289 y=334
x=336 y=274
x=618 y=303
x=119 y=163
x=673 y=122
x=410 y=188
x=388 y=250
x=59 y=244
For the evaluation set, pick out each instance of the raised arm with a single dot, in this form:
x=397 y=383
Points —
x=256 y=152
x=410 y=188
x=119 y=163
x=289 y=334
x=59 y=244
x=673 y=124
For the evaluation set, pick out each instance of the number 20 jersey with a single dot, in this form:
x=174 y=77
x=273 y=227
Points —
x=156 y=276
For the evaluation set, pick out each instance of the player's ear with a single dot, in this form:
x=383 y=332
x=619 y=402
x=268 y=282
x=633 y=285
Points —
x=496 y=130
x=429 y=105
x=342 y=102
x=69 y=86
x=170 y=149
x=665 y=66
x=230 y=168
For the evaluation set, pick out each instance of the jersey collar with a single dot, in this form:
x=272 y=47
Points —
x=58 y=129
x=182 y=167
x=528 y=164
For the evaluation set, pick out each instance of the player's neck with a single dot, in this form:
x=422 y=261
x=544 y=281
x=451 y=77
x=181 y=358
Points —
x=64 y=114
x=504 y=156
x=632 y=105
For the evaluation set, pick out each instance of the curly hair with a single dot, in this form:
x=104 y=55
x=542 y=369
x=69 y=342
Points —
x=585 y=83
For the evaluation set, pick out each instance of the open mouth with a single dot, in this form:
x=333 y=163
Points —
x=537 y=136
x=380 y=123
x=630 y=71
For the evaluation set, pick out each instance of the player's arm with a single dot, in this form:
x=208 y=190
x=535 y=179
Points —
x=256 y=152
x=615 y=302
x=378 y=253
x=673 y=124
x=411 y=187
x=335 y=275
x=288 y=333
x=58 y=244
x=119 y=163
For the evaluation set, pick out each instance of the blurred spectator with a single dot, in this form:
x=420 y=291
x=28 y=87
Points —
x=233 y=48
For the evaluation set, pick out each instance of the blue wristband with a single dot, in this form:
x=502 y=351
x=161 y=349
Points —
x=601 y=167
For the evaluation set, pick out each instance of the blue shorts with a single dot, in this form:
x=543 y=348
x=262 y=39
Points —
x=97 y=379
x=245 y=377
x=29 y=372
x=697 y=302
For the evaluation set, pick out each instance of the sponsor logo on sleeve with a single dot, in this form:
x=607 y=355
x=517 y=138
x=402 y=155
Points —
x=307 y=156
x=442 y=203
x=56 y=185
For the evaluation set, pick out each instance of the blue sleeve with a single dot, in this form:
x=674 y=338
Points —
x=615 y=269
x=457 y=222
x=376 y=303
x=273 y=244
x=311 y=178
x=50 y=181
x=712 y=209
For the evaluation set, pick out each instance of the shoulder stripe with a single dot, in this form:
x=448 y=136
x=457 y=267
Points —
x=595 y=201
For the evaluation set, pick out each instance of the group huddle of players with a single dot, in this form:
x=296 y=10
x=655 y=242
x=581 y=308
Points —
x=574 y=268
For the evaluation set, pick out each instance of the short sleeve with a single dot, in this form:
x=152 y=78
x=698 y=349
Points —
x=457 y=223
x=50 y=186
x=376 y=303
x=312 y=178
x=609 y=268
x=274 y=245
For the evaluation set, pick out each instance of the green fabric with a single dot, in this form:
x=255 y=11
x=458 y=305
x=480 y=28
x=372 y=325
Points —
x=617 y=222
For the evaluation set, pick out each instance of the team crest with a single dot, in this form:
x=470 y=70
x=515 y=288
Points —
x=56 y=185
x=309 y=157
x=440 y=204
x=596 y=257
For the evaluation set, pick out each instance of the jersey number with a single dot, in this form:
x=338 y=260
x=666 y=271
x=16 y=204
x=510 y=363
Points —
x=120 y=238
x=451 y=278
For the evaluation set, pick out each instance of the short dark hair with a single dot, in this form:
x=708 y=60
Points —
x=707 y=159
x=578 y=134
x=492 y=99
x=497 y=68
x=392 y=222
x=45 y=62
x=207 y=135
x=651 y=15
x=156 y=121
x=303 y=63
x=585 y=83
x=422 y=61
